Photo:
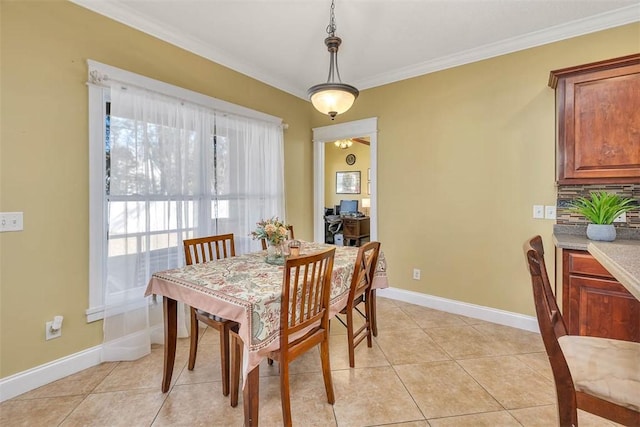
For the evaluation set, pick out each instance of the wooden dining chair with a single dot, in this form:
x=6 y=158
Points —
x=304 y=309
x=264 y=248
x=291 y=237
x=200 y=250
x=597 y=375
x=360 y=293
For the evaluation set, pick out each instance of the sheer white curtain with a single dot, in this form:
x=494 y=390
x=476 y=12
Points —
x=176 y=170
x=250 y=156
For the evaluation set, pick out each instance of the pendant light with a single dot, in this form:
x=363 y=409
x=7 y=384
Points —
x=332 y=97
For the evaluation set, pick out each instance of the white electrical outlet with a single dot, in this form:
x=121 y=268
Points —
x=11 y=221
x=416 y=274
x=538 y=211
x=550 y=212
x=621 y=218
x=50 y=333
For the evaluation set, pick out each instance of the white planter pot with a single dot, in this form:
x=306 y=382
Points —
x=601 y=232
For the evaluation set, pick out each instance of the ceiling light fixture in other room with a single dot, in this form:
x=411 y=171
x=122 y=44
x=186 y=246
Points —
x=343 y=143
x=332 y=97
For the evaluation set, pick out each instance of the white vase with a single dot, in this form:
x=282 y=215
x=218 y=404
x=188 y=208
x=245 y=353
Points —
x=601 y=232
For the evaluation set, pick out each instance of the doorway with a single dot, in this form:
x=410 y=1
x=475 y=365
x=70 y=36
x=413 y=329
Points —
x=365 y=128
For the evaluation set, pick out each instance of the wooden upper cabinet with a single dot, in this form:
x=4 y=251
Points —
x=598 y=122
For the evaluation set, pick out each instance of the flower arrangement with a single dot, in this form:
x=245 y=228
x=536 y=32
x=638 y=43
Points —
x=273 y=230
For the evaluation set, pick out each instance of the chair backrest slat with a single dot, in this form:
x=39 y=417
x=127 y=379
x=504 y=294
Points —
x=546 y=305
x=306 y=289
x=203 y=249
x=550 y=320
x=365 y=267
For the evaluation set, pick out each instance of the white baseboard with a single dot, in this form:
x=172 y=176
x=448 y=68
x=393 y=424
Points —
x=33 y=378
x=507 y=318
x=25 y=381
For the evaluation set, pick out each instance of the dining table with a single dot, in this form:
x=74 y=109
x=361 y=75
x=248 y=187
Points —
x=247 y=290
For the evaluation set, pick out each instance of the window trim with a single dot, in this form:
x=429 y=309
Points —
x=100 y=77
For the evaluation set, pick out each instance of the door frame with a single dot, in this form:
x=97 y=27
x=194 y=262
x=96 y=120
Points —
x=325 y=134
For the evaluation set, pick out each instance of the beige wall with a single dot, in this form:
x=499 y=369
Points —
x=44 y=160
x=335 y=160
x=472 y=148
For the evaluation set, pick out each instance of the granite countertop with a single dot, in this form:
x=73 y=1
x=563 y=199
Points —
x=620 y=257
x=570 y=241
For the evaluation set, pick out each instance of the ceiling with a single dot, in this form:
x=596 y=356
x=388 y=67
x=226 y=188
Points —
x=281 y=42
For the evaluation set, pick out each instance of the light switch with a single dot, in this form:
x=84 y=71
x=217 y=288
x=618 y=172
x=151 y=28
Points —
x=538 y=211
x=550 y=212
x=11 y=221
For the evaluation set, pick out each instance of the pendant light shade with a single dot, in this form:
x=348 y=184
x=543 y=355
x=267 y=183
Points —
x=332 y=97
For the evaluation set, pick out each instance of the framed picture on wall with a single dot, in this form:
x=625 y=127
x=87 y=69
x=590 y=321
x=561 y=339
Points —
x=348 y=182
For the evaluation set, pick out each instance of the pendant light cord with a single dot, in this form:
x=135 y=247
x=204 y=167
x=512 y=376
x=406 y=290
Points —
x=331 y=28
x=332 y=97
x=333 y=46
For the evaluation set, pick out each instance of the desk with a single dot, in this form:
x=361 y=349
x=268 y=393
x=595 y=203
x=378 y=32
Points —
x=356 y=229
x=247 y=290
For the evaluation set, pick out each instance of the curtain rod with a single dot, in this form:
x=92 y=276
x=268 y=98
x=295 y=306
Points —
x=96 y=78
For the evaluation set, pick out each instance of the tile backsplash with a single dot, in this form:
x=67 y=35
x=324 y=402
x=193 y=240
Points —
x=567 y=193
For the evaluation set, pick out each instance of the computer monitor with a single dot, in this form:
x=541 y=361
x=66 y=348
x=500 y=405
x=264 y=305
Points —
x=348 y=206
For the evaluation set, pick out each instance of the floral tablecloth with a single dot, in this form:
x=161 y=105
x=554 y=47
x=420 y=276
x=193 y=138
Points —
x=247 y=290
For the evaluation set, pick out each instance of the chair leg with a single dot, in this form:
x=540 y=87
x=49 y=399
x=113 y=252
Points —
x=193 y=339
x=350 y=337
x=367 y=312
x=236 y=363
x=326 y=369
x=284 y=392
x=567 y=406
x=373 y=319
x=224 y=358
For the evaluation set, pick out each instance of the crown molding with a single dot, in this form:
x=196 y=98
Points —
x=576 y=28
x=122 y=13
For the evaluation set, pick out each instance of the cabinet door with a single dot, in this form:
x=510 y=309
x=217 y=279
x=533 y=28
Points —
x=602 y=308
x=598 y=122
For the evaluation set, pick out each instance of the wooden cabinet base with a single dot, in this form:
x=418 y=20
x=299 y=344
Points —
x=594 y=303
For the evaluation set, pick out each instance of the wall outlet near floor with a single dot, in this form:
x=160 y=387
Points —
x=416 y=274
x=621 y=218
x=53 y=329
x=50 y=333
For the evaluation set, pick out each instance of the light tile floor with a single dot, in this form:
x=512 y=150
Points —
x=426 y=368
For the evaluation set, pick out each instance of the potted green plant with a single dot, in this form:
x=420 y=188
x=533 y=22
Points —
x=602 y=208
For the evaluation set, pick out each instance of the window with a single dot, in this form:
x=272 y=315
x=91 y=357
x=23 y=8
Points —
x=181 y=166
